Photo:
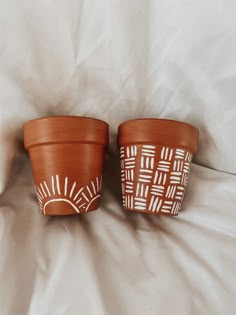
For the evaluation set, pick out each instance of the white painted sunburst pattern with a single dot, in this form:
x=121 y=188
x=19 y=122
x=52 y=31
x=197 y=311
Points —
x=60 y=188
x=160 y=182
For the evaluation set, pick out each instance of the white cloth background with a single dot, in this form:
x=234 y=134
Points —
x=118 y=60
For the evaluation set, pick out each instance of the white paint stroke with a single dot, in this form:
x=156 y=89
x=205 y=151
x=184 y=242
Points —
x=39 y=198
x=171 y=154
x=155 y=204
x=151 y=202
x=58 y=200
x=94 y=188
x=85 y=197
x=65 y=186
x=142 y=162
x=53 y=187
x=58 y=184
x=89 y=191
x=97 y=183
x=40 y=192
x=91 y=202
x=159 y=206
x=139 y=207
x=80 y=206
x=78 y=200
x=72 y=189
x=81 y=189
x=146 y=191
x=166 y=155
x=127 y=151
x=162 y=153
x=46 y=186
x=43 y=190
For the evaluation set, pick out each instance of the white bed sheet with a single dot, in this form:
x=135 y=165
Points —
x=118 y=60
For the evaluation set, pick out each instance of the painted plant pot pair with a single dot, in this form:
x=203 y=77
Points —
x=67 y=154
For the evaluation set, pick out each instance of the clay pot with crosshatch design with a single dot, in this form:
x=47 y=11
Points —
x=156 y=156
x=67 y=154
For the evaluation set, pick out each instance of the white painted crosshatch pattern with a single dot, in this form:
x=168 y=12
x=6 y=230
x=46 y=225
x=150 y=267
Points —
x=162 y=174
x=62 y=189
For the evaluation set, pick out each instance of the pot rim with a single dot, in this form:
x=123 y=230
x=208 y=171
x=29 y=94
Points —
x=159 y=131
x=159 y=119
x=65 y=129
x=64 y=116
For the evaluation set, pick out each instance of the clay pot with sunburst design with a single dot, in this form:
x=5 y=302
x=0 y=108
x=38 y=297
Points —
x=156 y=156
x=67 y=154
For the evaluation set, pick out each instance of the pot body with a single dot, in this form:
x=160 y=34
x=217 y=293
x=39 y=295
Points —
x=156 y=157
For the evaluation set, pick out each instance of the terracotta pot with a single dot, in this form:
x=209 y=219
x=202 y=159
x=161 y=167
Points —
x=156 y=156
x=67 y=154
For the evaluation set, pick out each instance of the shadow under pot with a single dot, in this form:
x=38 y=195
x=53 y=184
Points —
x=67 y=154
x=156 y=157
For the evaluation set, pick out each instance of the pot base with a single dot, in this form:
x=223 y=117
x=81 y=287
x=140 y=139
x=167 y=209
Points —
x=148 y=212
x=65 y=213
